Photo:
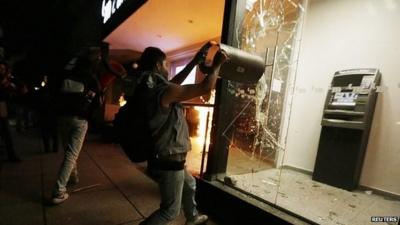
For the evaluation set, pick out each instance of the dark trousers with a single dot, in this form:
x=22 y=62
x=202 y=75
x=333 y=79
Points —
x=5 y=134
x=48 y=125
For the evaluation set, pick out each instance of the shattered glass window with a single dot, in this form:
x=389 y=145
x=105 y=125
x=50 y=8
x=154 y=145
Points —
x=256 y=132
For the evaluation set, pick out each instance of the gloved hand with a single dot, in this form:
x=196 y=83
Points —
x=219 y=58
x=201 y=55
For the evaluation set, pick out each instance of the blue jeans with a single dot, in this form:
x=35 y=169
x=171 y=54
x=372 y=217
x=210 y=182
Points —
x=176 y=188
x=72 y=132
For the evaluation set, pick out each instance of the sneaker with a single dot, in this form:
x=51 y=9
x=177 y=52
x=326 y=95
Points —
x=199 y=219
x=59 y=198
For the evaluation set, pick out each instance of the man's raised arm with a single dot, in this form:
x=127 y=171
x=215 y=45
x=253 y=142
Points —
x=177 y=93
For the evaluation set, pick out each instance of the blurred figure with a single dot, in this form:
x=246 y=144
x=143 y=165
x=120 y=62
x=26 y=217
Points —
x=74 y=99
x=47 y=118
x=23 y=115
x=5 y=132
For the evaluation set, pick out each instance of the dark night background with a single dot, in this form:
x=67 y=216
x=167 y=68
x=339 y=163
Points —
x=40 y=36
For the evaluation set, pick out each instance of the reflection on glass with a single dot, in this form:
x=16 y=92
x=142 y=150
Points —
x=199 y=118
x=200 y=138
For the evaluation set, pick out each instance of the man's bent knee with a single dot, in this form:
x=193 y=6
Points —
x=170 y=214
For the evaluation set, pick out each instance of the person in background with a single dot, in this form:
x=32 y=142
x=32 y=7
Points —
x=21 y=99
x=47 y=118
x=177 y=186
x=76 y=92
x=5 y=132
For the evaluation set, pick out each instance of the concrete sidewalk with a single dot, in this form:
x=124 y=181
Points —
x=112 y=190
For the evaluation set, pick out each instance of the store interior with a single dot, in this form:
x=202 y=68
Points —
x=273 y=128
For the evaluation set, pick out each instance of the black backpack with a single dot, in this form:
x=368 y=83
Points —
x=131 y=126
x=132 y=131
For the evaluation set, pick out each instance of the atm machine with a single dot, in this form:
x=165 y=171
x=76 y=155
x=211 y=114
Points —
x=346 y=122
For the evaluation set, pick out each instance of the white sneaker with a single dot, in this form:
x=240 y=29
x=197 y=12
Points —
x=199 y=219
x=59 y=198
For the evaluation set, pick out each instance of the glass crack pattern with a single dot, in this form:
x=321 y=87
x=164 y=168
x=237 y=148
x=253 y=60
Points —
x=268 y=29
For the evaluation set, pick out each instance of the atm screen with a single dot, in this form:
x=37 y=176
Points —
x=344 y=81
x=344 y=99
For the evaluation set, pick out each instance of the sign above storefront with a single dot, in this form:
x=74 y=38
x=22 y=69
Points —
x=114 y=12
x=108 y=8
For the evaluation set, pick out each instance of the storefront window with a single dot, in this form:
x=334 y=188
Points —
x=191 y=79
x=256 y=133
x=262 y=123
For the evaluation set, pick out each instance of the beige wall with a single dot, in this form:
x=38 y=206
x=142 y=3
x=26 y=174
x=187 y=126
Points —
x=343 y=34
